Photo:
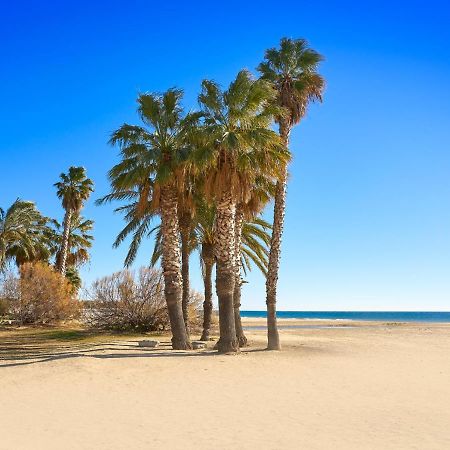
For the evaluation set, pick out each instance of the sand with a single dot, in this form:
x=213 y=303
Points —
x=368 y=387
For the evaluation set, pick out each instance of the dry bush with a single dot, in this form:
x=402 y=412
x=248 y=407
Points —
x=126 y=301
x=39 y=296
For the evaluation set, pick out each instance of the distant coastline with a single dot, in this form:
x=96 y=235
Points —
x=391 y=316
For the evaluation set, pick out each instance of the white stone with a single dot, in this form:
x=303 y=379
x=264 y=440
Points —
x=198 y=344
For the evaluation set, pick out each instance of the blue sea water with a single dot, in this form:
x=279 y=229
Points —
x=384 y=316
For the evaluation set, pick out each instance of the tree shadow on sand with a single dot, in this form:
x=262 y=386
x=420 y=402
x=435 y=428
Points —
x=14 y=353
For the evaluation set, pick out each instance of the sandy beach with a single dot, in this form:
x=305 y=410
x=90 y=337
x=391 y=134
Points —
x=364 y=386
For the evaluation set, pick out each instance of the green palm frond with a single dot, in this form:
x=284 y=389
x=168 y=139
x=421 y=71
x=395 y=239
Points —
x=79 y=242
x=292 y=70
x=74 y=188
x=238 y=144
x=25 y=234
x=151 y=157
x=256 y=234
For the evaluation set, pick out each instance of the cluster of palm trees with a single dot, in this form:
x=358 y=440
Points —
x=208 y=175
x=28 y=236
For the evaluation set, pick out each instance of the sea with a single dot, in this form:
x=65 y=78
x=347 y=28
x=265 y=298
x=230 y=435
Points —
x=384 y=316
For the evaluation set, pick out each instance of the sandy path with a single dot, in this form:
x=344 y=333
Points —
x=356 y=388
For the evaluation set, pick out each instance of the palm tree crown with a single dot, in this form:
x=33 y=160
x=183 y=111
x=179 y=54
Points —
x=241 y=143
x=150 y=156
x=74 y=189
x=24 y=234
x=293 y=71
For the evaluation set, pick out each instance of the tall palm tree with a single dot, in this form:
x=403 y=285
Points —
x=73 y=190
x=24 y=234
x=151 y=167
x=240 y=145
x=292 y=69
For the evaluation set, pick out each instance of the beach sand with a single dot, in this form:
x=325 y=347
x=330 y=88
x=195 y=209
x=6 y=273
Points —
x=373 y=386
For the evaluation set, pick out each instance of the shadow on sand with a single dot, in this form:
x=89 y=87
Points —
x=23 y=352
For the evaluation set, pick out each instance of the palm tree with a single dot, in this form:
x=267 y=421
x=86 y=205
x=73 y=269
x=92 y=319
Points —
x=292 y=69
x=79 y=241
x=73 y=190
x=246 y=213
x=203 y=239
x=186 y=212
x=239 y=146
x=253 y=244
x=254 y=249
x=151 y=167
x=139 y=223
x=24 y=234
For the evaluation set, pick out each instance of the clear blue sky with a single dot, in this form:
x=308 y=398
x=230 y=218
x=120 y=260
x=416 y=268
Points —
x=368 y=222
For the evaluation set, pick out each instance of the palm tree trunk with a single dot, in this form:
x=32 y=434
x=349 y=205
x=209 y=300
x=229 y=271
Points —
x=273 y=338
x=238 y=222
x=208 y=261
x=171 y=264
x=185 y=232
x=65 y=243
x=225 y=275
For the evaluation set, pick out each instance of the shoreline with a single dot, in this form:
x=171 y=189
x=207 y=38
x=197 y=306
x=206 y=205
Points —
x=259 y=321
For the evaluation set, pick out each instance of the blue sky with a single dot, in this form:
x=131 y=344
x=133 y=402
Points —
x=368 y=221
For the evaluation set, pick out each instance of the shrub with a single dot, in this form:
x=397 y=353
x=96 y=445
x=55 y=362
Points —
x=40 y=295
x=126 y=301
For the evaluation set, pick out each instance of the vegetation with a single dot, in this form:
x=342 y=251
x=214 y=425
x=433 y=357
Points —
x=194 y=182
x=79 y=241
x=24 y=234
x=40 y=295
x=73 y=190
x=292 y=71
x=238 y=146
x=126 y=301
x=152 y=160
